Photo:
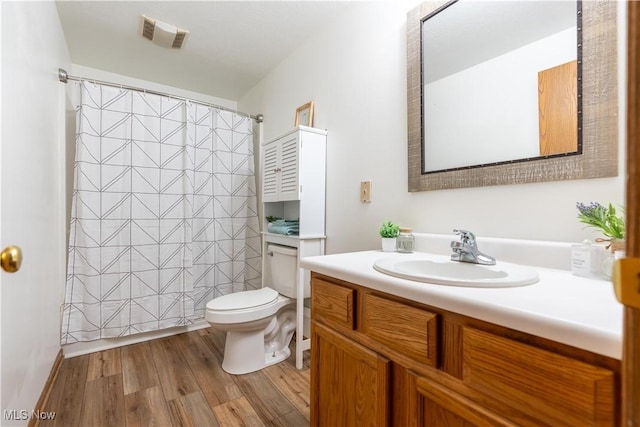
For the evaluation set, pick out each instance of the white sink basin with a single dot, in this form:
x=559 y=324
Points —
x=441 y=270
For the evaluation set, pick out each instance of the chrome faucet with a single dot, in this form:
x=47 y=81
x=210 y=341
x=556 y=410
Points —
x=466 y=250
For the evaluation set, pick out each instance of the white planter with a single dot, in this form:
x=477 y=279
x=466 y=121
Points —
x=388 y=244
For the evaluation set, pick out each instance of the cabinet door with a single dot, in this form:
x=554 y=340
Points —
x=435 y=405
x=270 y=173
x=289 y=168
x=353 y=387
x=281 y=161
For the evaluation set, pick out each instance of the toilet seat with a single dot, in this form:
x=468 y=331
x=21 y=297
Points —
x=242 y=300
x=245 y=306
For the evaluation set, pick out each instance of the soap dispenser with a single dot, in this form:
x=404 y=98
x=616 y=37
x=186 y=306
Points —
x=586 y=259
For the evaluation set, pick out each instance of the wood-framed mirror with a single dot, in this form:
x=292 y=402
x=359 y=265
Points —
x=597 y=154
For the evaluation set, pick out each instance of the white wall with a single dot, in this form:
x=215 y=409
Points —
x=32 y=190
x=355 y=72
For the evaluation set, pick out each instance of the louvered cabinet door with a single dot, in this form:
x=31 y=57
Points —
x=289 y=169
x=270 y=173
x=281 y=161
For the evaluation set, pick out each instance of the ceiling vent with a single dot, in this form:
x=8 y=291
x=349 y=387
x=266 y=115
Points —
x=163 y=34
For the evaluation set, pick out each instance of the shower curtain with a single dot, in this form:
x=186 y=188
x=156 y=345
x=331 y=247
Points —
x=163 y=215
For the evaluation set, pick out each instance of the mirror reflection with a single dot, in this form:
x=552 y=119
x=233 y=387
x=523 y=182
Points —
x=506 y=88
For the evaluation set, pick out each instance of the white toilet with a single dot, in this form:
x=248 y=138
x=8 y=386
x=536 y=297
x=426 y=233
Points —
x=259 y=323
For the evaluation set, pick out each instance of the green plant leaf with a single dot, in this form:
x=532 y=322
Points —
x=389 y=229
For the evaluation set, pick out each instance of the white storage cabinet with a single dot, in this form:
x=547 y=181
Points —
x=293 y=187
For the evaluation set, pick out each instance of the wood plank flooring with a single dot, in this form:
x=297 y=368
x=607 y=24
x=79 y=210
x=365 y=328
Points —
x=176 y=381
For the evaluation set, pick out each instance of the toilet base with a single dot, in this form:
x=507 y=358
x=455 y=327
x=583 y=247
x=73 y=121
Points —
x=251 y=342
x=276 y=356
x=245 y=352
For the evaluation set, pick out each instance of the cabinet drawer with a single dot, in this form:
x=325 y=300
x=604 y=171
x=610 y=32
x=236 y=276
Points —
x=332 y=303
x=403 y=328
x=562 y=391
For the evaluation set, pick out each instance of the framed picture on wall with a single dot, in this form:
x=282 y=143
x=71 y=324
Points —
x=304 y=114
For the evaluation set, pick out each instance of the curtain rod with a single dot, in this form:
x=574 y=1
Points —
x=64 y=77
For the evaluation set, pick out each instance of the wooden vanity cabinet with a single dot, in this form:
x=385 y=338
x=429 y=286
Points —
x=379 y=360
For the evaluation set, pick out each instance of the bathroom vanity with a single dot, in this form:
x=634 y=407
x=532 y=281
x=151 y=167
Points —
x=391 y=351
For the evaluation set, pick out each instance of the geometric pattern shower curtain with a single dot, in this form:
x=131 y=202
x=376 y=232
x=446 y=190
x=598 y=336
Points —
x=163 y=215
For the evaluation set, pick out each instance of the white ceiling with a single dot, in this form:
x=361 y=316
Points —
x=232 y=45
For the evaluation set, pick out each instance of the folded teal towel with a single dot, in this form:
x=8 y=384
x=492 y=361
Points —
x=286 y=227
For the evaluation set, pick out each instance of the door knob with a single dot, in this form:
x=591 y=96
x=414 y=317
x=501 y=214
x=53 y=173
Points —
x=11 y=258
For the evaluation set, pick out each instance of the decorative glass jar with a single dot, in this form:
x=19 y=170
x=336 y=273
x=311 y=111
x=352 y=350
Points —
x=405 y=241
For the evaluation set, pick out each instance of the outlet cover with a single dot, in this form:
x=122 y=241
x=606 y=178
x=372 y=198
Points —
x=365 y=191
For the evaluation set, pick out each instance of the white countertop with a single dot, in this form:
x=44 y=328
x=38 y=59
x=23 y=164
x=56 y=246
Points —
x=577 y=311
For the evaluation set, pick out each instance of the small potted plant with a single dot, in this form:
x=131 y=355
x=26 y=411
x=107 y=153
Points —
x=389 y=232
x=606 y=220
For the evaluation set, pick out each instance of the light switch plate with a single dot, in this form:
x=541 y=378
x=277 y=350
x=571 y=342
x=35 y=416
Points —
x=365 y=191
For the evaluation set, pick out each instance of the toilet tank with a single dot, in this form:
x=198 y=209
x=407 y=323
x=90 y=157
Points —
x=281 y=270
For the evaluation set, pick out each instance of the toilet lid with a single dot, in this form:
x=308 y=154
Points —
x=245 y=299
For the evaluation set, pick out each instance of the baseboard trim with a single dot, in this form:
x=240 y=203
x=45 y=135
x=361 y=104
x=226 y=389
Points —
x=41 y=405
x=82 y=348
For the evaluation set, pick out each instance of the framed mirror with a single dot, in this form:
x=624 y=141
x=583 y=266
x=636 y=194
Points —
x=466 y=129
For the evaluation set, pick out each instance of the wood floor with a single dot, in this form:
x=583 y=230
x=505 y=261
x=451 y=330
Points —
x=176 y=381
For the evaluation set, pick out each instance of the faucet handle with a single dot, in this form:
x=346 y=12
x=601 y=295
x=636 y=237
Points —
x=466 y=236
